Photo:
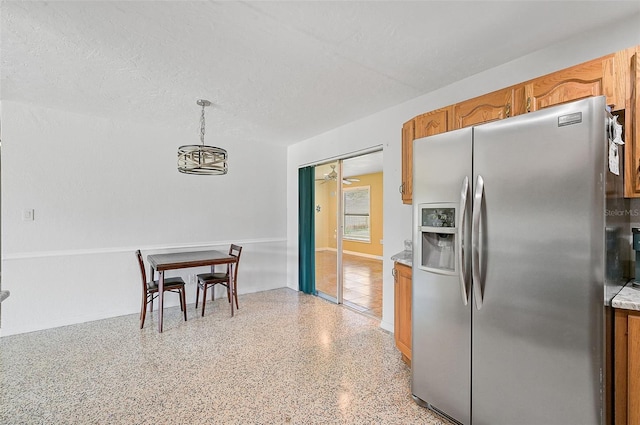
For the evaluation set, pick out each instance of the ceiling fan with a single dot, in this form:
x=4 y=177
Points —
x=333 y=176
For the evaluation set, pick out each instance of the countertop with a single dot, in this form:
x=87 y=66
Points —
x=628 y=298
x=404 y=257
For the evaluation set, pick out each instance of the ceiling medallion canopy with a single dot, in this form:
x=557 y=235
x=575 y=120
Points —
x=202 y=159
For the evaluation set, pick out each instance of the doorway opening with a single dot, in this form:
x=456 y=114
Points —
x=348 y=232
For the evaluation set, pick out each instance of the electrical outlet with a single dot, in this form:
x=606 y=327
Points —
x=28 y=214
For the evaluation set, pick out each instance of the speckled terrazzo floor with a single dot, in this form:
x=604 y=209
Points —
x=286 y=357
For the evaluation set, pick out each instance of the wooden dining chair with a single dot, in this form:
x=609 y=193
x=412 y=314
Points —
x=150 y=290
x=206 y=280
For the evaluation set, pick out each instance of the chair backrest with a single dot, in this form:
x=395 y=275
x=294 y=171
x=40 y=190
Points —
x=235 y=250
x=143 y=274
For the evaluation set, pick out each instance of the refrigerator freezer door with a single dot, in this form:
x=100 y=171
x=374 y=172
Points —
x=538 y=338
x=441 y=350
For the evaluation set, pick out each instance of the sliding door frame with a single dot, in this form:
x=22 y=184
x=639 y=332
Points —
x=339 y=299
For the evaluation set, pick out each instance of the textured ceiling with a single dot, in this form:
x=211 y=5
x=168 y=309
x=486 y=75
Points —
x=276 y=72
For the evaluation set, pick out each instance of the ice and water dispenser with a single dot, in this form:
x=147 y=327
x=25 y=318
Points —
x=438 y=233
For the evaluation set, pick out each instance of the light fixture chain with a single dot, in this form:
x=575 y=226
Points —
x=202 y=126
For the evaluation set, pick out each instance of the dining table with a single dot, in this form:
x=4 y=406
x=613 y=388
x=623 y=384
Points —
x=181 y=260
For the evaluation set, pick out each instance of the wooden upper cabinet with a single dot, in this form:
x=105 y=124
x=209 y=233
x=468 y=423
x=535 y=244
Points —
x=424 y=125
x=434 y=122
x=593 y=78
x=632 y=130
x=616 y=76
x=407 y=161
x=490 y=107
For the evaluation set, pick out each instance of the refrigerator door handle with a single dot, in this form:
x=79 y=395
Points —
x=461 y=233
x=475 y=241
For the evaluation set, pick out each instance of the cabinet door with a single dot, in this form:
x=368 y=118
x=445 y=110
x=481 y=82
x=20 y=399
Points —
x=593 y=78
x=490 y=107
x=633 y=370
x=434 y=122
x=632 y=131
x=406 y=189
x=402 y=315
x=626 y=397
x=620 y=351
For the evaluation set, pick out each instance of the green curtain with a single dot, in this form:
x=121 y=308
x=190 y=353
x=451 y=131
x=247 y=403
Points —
x=306 y=231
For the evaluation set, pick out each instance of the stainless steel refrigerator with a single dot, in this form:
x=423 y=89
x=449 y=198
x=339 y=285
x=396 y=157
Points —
x=509 y=291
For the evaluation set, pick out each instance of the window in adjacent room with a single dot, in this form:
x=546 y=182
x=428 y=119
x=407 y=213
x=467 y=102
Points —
x=356 y=214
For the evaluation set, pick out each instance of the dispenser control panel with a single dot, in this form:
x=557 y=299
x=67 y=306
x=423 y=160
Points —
x=438 y=238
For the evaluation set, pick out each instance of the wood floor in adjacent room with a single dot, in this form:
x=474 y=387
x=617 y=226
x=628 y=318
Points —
x=285 y=358
x=362 y=280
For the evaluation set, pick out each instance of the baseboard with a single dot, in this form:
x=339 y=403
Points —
x=357 y=254
x=386 y=326
x=362 y=254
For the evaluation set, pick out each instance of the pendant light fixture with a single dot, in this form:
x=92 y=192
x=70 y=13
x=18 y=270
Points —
x=202 y=159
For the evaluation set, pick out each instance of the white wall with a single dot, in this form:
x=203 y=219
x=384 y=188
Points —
x=384 y=128
x=102 y=188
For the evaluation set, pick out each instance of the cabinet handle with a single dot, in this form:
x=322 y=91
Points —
x=401 y=188
x=528 y=104
x=508 y=110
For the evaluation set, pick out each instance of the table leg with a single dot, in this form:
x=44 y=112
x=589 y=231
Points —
x=213 y=292
x=160 y=300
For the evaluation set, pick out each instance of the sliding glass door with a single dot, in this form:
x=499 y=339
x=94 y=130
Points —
x=327 y=227
x=362 y=236
x=346 y=211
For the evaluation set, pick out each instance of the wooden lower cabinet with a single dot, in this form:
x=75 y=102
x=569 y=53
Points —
x=627 y=367
x=402 y=315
